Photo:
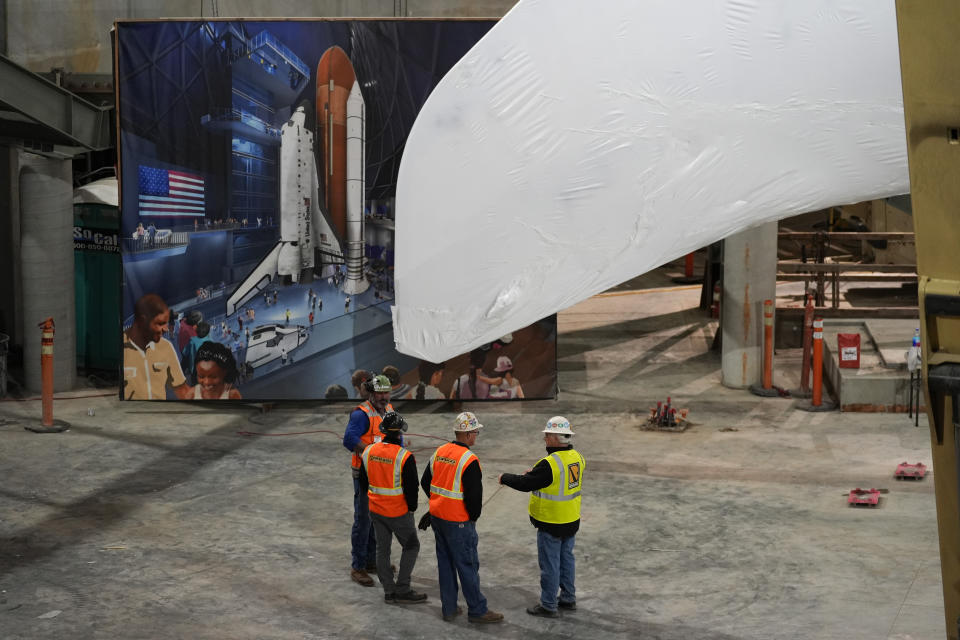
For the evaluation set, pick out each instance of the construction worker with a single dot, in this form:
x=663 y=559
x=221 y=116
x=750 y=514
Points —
x=453 y=482
x=554 y=484
x=389 y=476
x=362 y=430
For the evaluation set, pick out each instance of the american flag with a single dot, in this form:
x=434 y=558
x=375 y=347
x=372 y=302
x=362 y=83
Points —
x=170 y=193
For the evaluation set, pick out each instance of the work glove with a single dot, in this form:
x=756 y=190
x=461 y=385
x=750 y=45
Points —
x=424 y=523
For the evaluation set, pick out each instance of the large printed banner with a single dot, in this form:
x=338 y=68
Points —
x=258 y=170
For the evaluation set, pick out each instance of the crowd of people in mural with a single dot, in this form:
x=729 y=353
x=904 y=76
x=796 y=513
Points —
x=184 y=354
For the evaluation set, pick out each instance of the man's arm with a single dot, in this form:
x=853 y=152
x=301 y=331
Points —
x=540 y=477
x=473 y=490
x=426 y=479
x=356 y=427
x=364 y=482
x=408 y=476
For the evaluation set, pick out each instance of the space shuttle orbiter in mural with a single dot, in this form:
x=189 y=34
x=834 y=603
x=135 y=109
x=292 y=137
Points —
x=341 y=123
x=303 y=226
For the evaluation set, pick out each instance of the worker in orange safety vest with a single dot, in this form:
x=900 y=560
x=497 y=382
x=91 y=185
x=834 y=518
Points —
x=389 y=475
x=453 y=482
x=362 y=430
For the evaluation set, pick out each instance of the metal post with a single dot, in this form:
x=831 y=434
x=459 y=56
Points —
x=807 y=344
x=767 y=344
x=46 y=375
x=46 y=369
x=817 y=362
x=910 y=402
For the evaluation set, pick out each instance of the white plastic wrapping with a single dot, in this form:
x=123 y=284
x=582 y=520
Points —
x=580 y=144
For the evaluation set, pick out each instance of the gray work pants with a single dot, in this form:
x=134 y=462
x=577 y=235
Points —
x=406 y=532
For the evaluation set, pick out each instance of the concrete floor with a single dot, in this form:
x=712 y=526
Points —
x=160 y=521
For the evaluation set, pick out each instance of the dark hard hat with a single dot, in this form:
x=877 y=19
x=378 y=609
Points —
x=393 y=422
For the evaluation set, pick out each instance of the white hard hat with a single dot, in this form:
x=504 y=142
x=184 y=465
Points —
x=558 y=425
x=466 y=421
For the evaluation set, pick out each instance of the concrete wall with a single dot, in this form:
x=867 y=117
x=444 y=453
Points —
x=75 y=35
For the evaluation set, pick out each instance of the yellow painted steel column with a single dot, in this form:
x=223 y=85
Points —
x=930 y=70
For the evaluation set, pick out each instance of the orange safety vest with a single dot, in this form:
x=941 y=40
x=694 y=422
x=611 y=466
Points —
x=373 y=433
x=446 y=486
x=384 y=464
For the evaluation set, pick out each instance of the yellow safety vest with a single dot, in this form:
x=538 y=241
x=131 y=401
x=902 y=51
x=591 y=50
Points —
x=559 y=503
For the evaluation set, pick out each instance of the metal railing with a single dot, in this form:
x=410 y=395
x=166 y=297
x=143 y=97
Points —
x=162 y=239
x=265 y=38
x=179 y=235
x=233 y=114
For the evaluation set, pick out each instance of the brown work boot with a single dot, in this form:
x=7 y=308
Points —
x=361 y=577
x=453 y=615
x=489 y=616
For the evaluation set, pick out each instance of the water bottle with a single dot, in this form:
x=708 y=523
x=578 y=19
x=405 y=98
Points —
x=913 y=355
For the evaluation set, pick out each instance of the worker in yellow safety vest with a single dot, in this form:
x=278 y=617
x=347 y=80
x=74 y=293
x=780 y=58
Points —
x=389 y=476
x=363 y=429
x=554 y=484
x=452 y=480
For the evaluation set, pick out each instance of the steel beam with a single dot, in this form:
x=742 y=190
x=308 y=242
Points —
x=65 y=118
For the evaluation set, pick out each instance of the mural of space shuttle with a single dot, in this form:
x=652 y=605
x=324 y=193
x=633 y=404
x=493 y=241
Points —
x=341 y=123
x=303 y=226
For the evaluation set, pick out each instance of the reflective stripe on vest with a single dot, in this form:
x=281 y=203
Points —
x=446 y=490
x=559 y=503
x=385 y=488
x=373 y=433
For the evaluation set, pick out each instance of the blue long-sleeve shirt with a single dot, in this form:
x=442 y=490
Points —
x=356 y=427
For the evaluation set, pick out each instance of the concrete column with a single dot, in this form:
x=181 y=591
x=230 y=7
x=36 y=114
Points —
x=46 y=251
x=749 y=277
x=10 y=321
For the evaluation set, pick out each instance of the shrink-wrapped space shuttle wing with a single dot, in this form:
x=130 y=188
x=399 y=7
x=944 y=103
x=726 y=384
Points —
x=580 y=144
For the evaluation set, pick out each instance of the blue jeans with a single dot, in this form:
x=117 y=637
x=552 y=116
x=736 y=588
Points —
x=557 y=569
x=363 y=541
x=457 y=556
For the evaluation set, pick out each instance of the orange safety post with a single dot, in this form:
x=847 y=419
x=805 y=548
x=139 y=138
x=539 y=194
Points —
x=817 y=362
x=46 y=369
x=767 y=344
x=688 y=266
x=807 y=344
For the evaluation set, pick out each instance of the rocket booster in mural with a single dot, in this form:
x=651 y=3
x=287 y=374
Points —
x=341 y=121
x=303 y=226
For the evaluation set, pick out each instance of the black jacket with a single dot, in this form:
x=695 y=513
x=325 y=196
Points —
x=541 y=477
x=472 y=485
